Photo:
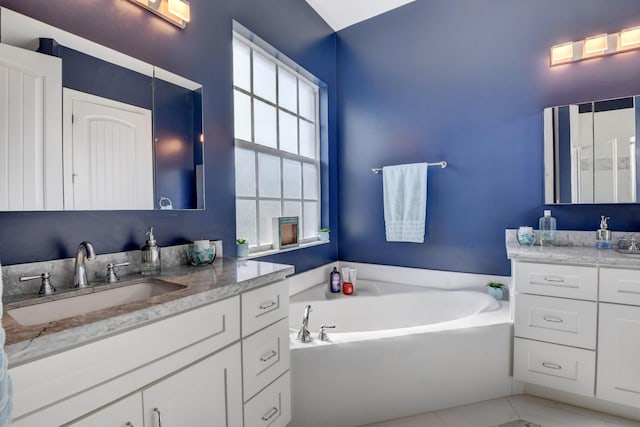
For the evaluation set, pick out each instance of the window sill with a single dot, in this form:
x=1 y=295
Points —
x=280 y=251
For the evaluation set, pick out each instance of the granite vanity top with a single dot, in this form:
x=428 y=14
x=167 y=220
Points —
x=203 y=285
x=571 y=247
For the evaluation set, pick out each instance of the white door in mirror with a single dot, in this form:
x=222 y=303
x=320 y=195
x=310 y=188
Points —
x=30 y=172
x=108 y=154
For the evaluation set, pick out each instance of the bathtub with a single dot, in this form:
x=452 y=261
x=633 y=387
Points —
x=397 y=350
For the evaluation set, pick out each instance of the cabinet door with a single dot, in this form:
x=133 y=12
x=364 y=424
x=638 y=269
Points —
x=619 y=354
x=208 y=393
x=123 y=413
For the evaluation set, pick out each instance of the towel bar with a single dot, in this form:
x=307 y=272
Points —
x=442 y=164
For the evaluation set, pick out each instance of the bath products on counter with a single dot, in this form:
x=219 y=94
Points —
x=334 y=281
x=349 y=280
x=603 y=234
x=150 y=255
x=547 y=227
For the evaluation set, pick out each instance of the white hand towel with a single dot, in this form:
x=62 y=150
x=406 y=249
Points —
x=5 y=381
x=405 y=202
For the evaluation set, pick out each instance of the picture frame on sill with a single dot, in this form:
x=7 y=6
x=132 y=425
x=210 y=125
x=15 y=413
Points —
x=285 y=232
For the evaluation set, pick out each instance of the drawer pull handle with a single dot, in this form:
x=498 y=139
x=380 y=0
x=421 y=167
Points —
x=266 y=305
x=553 y=319
x=268 y=356
x=129 y=424
x=272 y=412
x=555 y=279
x=551 y=365
x=157 y=411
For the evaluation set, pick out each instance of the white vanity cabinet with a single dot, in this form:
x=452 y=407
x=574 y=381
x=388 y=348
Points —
x=186 y=370
x=265 y=356
x=555 y=323
x=619 y=336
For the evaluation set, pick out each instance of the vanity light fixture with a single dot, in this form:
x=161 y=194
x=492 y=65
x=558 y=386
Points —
x=178 y=12
x=629 y=39
x=596 y=46
x=562 y=53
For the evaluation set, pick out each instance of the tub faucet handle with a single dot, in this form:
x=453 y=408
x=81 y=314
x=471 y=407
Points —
x=323 y=334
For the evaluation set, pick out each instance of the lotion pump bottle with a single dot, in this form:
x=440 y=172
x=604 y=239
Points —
x=150 y=255
x=603 y=234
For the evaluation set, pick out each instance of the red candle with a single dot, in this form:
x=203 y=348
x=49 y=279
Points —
x=347 y=288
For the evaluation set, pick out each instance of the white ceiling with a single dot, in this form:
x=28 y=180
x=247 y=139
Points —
x=340 y=14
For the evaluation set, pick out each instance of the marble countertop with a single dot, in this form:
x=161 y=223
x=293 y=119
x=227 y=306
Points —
x=203 y=285
x=573 y=247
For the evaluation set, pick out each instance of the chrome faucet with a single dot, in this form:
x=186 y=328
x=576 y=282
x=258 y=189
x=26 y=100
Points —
x=303 y=334
x=85 y=249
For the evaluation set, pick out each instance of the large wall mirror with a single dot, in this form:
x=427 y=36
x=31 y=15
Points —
x=129 y=135
x=590 y=152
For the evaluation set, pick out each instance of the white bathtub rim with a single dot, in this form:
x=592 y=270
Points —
x=439 y=279
x=483 y=319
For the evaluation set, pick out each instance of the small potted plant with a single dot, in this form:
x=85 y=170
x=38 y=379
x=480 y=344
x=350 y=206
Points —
x=496 y=290
x=242 y=248
x=323 y=234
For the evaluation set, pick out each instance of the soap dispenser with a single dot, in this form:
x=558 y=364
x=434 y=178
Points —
x=603 y=234
x=150 y=255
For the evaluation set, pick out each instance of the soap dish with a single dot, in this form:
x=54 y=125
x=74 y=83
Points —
x=198 y=257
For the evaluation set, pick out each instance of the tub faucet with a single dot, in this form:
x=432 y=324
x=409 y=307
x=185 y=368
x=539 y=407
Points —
x=303 y=334
x=85 y=249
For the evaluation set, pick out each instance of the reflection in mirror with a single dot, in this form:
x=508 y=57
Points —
x=178 y=142
x=590 y=152
x=132 y=135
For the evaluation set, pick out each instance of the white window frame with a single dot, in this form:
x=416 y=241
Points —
x=259 y=247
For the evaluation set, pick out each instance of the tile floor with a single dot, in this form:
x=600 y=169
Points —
x=494 y=412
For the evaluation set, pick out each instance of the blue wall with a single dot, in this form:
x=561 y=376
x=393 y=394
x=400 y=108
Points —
x=201 y=52
x=466 y=81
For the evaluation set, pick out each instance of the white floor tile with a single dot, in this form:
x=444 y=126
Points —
x=547 y=414
x=429 y=419
x=482 y=414
x=610 y=420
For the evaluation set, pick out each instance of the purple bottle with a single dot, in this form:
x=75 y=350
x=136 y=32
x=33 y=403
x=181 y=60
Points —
x=334 y=281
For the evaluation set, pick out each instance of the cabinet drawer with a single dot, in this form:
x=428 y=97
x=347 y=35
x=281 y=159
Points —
x=272 y=406
x=620 y=286
x=567 y=281
x=557 y=320
x=264 y=306
x=556 y=366
x=265 y=356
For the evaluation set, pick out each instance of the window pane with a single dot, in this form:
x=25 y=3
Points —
x=269 y=175
x=241 y=65
x=310 y=173
x=245 y=173
x=293 y=209
x=307 y=139
x=246 y=224
x=307 y=101
x=268 y=209
x=288 y=133
x=287 y=90
x=291 y=179
x=264 y=77
x=242 y=116
x=265 y=124
x=310 y=223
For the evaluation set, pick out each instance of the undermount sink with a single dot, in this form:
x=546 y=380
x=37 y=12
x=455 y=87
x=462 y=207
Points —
x=101 y=297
